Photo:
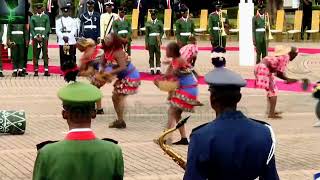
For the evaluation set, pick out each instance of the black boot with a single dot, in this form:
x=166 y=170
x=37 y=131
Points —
x=99 y=111
x=1 y=74
x=46 y=73
x=183 y=141
x=21 y=74
x=152 y=72
x=36 y=73
x=158 y=72
x=25 y=72
x=14 y=74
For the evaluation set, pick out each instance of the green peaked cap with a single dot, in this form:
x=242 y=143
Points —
x=79 y=93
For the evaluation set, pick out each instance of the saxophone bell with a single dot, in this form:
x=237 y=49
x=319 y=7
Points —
x=66 y=49
x=177 y=158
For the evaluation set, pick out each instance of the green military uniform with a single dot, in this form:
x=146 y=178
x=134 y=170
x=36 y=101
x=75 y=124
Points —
x=215 y=31
x=260 y=31
x=154 y=33
x=184 y=29
x=1 y=34
x=81 y=155
x=40 y=26
x=17 y=34
x=122 y=27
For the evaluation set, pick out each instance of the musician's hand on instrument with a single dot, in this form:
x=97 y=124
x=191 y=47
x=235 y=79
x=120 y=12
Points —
x=40 y=38
x=65 y=39
x=27 y=43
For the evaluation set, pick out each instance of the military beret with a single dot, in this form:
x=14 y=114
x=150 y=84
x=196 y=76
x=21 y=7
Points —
x=90 y=2
x=184 y=8
x=79 y=93
x=261 y=6
x=223 y=77
x=122 y=9
x=108 y=3
x=218 y=4
x=67 y=7
x=153 y=11
x=39 y=5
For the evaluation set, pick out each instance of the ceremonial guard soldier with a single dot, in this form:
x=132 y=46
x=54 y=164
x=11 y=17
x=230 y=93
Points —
x=107 y=19
x=233 y=146
x=154 y=32
x=218 y=26
x=90 y=23
x=17 y=40
x=1 y=34
x=40 y=27
x=80 y=155
x=184 y=28
x=260 y=31
x=122 y=27
x=66 y=29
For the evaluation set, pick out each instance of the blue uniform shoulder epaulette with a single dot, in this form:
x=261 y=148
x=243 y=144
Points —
x=199 y=127
x=258 y=121
x=111 y=140
x=41 y=145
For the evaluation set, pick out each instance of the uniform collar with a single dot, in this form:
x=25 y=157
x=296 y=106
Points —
x=230 y=115
x=121 y=19
x=90 y=13
x=40 y=14
x=185 y=19
x=80 y=134
x=155 y=20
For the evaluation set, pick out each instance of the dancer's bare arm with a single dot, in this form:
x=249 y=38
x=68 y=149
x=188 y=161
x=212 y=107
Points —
x=121 y=59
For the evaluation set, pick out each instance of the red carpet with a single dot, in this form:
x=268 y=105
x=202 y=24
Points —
x=208 y=48
x=296 y=87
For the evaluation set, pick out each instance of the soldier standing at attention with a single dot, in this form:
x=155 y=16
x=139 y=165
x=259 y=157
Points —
x=90 y=23
x=122 y=27
x=184 y=28
x=1 y=34
x=66 y=29
x=17 y=36
x=217 y=19
x=40 y=27
x=107 y=19
x=259 y=30
x=154 y=32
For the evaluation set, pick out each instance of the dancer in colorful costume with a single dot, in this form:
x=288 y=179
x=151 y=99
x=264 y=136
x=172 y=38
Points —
x=91 y=60
x=264 y=75
x=116 y=63
x=184 y=98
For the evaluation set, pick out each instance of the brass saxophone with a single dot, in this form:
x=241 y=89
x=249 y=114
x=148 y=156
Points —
x=66 y=49
x=177 y=158
x=39 y=42
x=11 y=44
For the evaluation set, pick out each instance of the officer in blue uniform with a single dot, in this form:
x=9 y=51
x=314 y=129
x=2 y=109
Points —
x=90 y=22
x=232 y=146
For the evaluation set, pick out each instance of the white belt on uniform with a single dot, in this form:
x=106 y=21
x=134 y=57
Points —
x=261 y=30
x=39 y=28
x=123 y=32
x=154 y=34
x=17 y=32
x=90 y=26
x=216 y=28
x=185 y=34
